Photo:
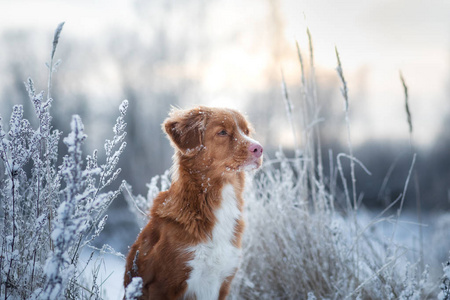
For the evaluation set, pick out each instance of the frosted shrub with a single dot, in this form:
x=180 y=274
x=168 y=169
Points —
x=49 y=213
x=445 y=285
x=294 y=249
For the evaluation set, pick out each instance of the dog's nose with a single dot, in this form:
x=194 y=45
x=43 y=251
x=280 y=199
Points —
x=256 y=150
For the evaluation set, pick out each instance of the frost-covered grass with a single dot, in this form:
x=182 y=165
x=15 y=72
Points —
x=49 y=213
x=294 y=248
x=445 y=285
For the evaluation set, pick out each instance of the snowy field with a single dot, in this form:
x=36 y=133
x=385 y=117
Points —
x=308 y=233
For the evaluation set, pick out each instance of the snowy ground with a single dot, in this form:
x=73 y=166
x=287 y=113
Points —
x=111 y=270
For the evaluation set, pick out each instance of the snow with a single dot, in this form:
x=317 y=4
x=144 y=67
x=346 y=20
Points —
x=111 y=269
x=134 y=289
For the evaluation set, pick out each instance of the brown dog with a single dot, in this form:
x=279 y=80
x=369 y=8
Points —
x=190 y=249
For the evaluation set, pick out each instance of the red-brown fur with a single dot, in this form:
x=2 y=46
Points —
x=204 y=161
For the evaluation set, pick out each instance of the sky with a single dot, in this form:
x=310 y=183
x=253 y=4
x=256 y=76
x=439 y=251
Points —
x=375 y=38
x=384 y=37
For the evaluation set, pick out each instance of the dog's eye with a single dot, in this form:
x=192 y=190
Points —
x=222 y=133
x=247 y=132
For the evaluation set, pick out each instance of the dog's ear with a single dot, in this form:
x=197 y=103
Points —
x=185 y=129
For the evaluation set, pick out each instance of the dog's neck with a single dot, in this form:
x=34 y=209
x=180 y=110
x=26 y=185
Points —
x=198 y=193
x=201 y=175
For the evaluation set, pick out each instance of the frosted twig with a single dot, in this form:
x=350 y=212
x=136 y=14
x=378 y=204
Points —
x=289 y=108
x=125 y=187
x=51 y=66
x=408 y=112
x=394 y=261
x=416 y=177
x=405 y=187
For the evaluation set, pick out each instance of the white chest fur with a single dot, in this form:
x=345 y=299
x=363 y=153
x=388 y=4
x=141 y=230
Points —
x=218 y=258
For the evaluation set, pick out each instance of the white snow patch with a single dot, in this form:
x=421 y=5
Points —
x=110 y=274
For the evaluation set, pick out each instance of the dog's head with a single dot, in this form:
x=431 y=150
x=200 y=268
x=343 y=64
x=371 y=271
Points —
x=213 y=139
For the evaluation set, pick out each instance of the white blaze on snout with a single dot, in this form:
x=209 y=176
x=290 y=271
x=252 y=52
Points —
x=252 y=162
x=246 y=137
x=250 y=140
